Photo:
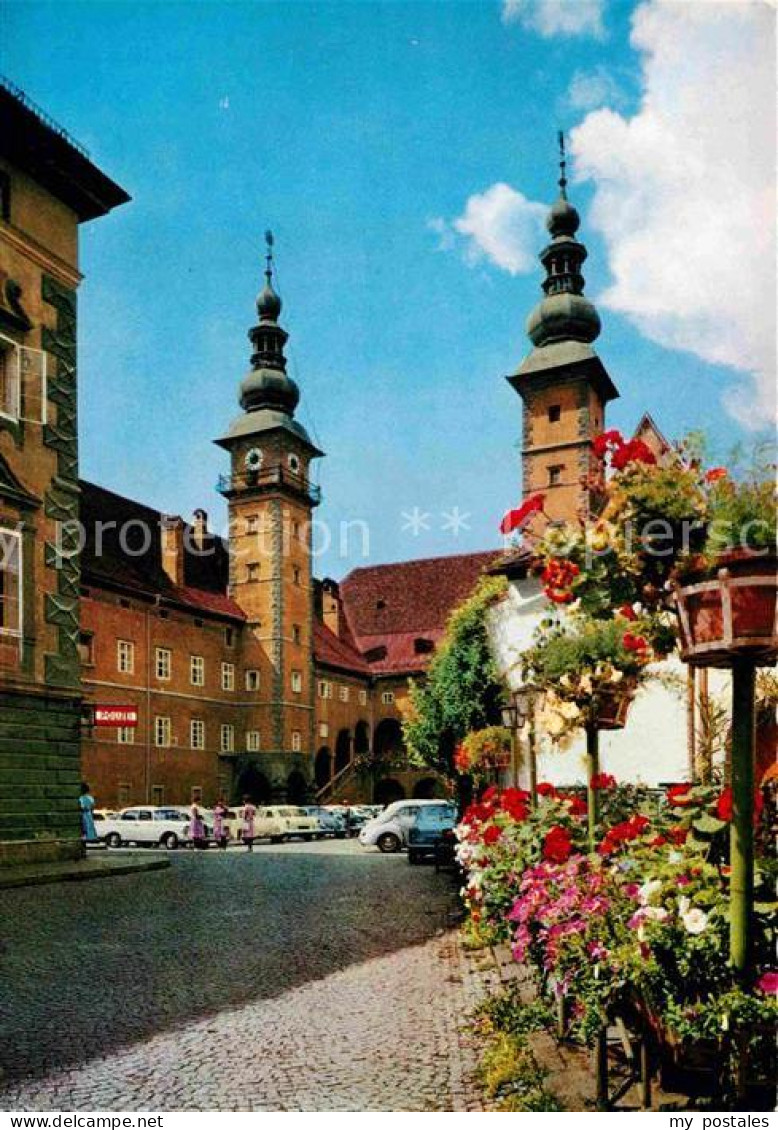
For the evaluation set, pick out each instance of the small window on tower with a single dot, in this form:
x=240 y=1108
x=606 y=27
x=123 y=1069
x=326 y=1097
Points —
x=554 y=413
x=252 y=571
x=555 y=475
x=296 y=574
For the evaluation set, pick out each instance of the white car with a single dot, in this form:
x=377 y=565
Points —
x=276 y=823
x=147 y=824
x=389 y=831
x=329 y=821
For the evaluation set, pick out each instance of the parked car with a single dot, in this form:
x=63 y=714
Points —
x=430 y=831
x=389 y=831
x=275 y=823
x=330 y=822
x=147 y=824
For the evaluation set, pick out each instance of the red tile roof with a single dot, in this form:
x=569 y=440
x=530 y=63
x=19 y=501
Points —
x=333 y=652
x=397 y=612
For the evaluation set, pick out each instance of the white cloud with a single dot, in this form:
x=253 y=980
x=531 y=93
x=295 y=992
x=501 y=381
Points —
x=556 y=17
x=499 y=224
x=589 y=89
x=685 y=190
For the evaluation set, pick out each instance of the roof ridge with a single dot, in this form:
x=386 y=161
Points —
x=421 y=561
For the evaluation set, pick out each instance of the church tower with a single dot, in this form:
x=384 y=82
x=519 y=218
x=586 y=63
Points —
x=562 y=382
x=271 y=499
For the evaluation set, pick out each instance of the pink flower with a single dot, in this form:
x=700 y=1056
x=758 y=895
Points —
x=768 y=983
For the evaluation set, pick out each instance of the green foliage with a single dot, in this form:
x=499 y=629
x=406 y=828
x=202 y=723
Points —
x=507 y=1012
x=564 y=650
x=742 y=515
x=511 y=1075
x=462 y=691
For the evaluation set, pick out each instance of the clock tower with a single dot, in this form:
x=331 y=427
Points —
x=271 y=499
x=562 y=382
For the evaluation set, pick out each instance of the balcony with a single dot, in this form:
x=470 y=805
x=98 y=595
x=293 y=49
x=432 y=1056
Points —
x=274 y=478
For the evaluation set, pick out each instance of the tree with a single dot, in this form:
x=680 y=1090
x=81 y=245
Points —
x=462 y=690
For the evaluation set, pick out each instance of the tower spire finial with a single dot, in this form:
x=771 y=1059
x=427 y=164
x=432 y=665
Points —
x=269 y=241
x=562 y=165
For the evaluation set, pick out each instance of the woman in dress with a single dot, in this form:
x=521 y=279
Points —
x=219 y=827
x=86 y=802
x=249 y=812
x=197 y=827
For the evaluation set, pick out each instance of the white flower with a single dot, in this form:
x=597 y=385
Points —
x=683 y=905
x=695 y=920
x=617 y=676
x=585 y=684
x=570 y=711
x=648 y=890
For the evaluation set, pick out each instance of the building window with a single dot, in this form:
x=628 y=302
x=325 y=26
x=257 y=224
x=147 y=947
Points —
x=296 y=575
x=343 y=694
x=163 y=661
x=363 y=698
x=197 y=733
x=125 y=657
x=252 y=741
x=555 y=475
x=229 y=636
x=554 y=413
x=325 y=689
x=387 y=698
x=196 y=794
x=227 y=738
x=162 y=732
x=297 y=682
x=296 y=529
x=125 y=735
x=157 y=795
x=86 y=648
x=197 y=670
x=252 y=680
x=228 y=676
x=296 y=633
x=252 y=524
x=297 y=741
x=324 y=730
x=9 y=379
x=294 y=464
x=252 y=571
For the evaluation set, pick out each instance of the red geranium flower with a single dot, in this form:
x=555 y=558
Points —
x=577 y=806
x=603 y=781
x=628 y=612
x=492 y=834
x=633 y=642
x=489 y=794
x=678 y=795
x=724 y=807
x=557 y=845
x=545 y=789
x=678 y=836
x=715 y=474
x=605 y=441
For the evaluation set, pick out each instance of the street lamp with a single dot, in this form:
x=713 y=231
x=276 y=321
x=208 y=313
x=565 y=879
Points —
x=517 y=712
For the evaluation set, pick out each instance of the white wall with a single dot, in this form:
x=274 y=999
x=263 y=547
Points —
x=651 y=749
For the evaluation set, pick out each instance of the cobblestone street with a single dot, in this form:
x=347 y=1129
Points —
x=309 y=977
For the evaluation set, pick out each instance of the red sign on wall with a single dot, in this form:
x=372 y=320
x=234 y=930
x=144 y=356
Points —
x=116 y=715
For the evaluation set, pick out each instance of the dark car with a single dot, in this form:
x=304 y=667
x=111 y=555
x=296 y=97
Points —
x=432 y=827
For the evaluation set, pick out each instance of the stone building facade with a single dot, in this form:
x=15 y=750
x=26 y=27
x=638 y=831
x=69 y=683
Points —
x=48 y=187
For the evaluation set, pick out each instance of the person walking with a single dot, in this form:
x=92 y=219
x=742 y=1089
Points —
x=219 y=823
x=86 y=802
x=249 y=813
x=197 y=827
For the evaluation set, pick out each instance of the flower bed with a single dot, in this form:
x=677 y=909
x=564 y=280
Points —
x=639 y=925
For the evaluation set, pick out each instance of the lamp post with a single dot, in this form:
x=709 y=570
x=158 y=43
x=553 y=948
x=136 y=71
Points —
x=519 y=710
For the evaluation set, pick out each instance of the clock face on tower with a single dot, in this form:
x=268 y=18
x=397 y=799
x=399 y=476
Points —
x=253 y=459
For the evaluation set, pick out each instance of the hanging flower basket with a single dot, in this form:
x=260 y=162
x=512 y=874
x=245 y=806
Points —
x=731 y=613
x=613 y=705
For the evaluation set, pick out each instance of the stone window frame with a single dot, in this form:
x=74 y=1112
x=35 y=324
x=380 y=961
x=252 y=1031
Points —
x=125 y=656
x=253 y=741
x=387 y=698
x=226 y=737
x=228 y=676
x=163 y=731
x=296 y=682
x=363 y=697
x=297 y=741
x=125 y=735
x=253 y=676
x=344 y=693
x=324 y=689
x=197 y=733
x=15 y=536
x=197 y=670
x=163 y=663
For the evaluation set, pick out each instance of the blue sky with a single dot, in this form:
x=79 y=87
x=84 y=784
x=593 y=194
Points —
x=358 y=132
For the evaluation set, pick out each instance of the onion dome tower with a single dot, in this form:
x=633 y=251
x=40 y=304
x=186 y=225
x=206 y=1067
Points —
x=563 y=384
x=271 y=500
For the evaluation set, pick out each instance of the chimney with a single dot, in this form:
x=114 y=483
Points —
x=330 y=606
x=172 y=538
x=200 y=530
